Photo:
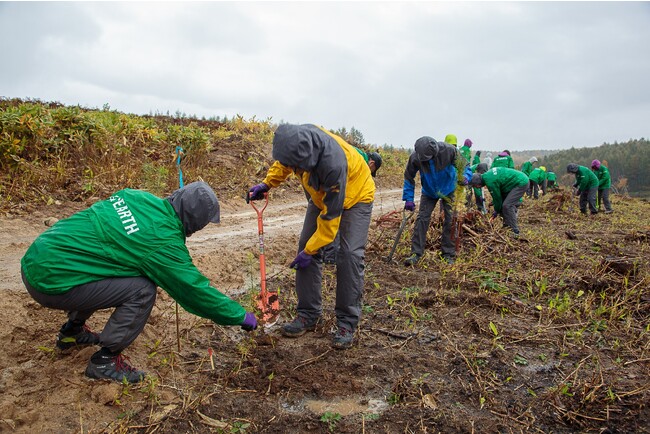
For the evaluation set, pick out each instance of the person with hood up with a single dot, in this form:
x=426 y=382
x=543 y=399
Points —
x=537 y=180
x=451 y=139
x=527 y=167
x=341 y=190
x=507 y=187
x=114 y=255
x=466 y=150
x=586 y=186
x=604 y=185
x=436 y=163
x=503 y=160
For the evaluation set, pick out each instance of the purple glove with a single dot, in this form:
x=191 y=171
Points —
x=494 y=214
x=250 y=322
x=409 y=205
x=256 y=192
x=302 y=261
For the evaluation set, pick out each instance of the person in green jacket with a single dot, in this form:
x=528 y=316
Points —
x=114 y=255
x=466 y=150
x=503 y=160
x=604 y=185
x=507 y=187
x=586 y=186
x=479 y=168
x=537 y=180
x=527 y=167
x=551 y=180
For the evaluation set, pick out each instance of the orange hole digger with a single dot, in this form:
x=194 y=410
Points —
x=269 y=302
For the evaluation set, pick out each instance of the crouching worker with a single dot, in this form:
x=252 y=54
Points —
x=114 y=255
x=507 y=187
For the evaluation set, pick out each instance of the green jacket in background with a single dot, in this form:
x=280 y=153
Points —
x=527 y=167
x=477 y=159
x=551 y=176
x=500 y=181
x=132 y=233
x=585 y=179
x=466 y=152
x=538 y=176
x=604 y=178
x=503 y=161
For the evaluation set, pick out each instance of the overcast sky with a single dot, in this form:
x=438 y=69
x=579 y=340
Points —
x=514 y=75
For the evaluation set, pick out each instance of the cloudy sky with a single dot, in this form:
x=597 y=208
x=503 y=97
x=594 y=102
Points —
x=511 y=75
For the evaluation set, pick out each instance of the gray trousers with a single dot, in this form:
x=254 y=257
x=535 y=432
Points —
x=589 y=197
x=132 y=297
x=510 y=205
x=603 y=199
x=350 y=266
x=419 y=239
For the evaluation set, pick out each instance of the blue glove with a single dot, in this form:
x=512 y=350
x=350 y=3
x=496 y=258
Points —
x=409 y=205
x=256 y=192
x=302 y=261
x=250 y=322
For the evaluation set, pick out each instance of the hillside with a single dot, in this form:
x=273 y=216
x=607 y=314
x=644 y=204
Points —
x=546 y=333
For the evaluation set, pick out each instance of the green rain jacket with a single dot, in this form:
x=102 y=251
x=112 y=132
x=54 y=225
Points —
x=132 y=233
x=538 y=176
x=585 y=179
x=466 y=152
x=500 y=181
x=503 y=161
x=604 y=178
x=527 y=167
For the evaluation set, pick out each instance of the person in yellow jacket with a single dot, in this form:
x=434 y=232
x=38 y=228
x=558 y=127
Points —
x=341 y=194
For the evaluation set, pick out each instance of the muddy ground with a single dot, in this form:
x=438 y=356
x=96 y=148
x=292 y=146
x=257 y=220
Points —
x=539 y=334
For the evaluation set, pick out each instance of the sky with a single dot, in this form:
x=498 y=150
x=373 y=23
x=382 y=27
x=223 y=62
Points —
x=507 y=75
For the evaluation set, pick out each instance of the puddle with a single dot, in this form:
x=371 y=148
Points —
x=344 y=407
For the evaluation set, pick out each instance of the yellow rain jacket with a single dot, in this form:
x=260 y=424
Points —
x=332 y=172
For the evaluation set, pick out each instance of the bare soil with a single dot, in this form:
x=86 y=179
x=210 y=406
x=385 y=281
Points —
x=529 y=335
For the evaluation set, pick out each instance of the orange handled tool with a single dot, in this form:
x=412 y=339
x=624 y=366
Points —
x=269 y=302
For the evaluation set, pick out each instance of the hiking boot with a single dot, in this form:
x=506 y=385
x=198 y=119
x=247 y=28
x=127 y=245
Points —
x=449 y=259
x=343 y=338
x=113 y=368
x=84 y=338
x=609 y=211
x=299 y=326
x=412 y=260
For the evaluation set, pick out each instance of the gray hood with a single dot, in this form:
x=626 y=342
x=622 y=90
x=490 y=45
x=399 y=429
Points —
x=442 y=154
x=298 y=146
x=572 y=168
x=196 y=205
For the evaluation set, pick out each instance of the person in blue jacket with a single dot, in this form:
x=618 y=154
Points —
x=436 y=162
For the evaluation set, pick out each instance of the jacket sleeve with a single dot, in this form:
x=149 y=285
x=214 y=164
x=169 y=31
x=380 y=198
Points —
x=412 y=167
x=171 y=268
x=277 y=174
x=497 y=200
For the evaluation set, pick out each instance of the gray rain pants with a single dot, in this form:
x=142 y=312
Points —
x=419 y=239
x=603 y=199
x=350 y=266
x=510 y=205
x=132 y=297
x=589 y=197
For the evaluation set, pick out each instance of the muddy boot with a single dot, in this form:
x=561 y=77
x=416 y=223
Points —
x=74 y=334
x=412 y=260
x=299 y=326
x=343 y=338
x=106 y=365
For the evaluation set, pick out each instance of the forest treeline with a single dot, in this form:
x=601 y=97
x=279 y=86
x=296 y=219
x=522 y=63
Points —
x=628 y=163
